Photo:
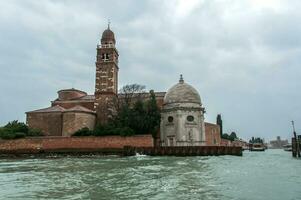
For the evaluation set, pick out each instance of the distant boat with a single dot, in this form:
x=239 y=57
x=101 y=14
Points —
x=245 y=148
x=287 y=147
x=257 y=147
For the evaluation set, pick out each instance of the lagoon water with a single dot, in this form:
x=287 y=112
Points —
x=272 y=174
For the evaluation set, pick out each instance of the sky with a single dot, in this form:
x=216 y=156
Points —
x=243 y=56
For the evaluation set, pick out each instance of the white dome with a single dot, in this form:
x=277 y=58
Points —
x=182 y=93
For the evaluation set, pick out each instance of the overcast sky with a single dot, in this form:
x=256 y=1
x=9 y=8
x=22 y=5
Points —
x=243 y=56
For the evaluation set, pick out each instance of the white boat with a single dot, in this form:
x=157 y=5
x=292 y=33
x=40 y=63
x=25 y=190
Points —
x=257 y=147
x=287 y=147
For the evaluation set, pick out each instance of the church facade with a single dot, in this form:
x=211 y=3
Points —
x=182 y=116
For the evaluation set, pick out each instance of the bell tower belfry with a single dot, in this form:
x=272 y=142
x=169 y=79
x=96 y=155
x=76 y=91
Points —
x=106 y=83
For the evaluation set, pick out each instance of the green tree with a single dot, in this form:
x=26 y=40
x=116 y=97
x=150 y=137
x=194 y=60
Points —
x=138 y=118
x=16 y=126
x=225 y=136
x=83 y=132
x=232 y=136
x=219 y=122
x=256 y=140
x=131 y=92
x=16 y=129
x=153 y=114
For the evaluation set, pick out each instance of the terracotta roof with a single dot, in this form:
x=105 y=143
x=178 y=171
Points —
x=56 y=108
x=91 y=97
x=211 y=124
x=87 y=97
x=71 y=89
x=84 y=98
x=79 y=108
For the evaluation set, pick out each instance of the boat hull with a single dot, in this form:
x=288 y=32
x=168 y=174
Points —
x=257 y=149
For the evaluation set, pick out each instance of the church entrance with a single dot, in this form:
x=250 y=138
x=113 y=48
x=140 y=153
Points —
x=171 y=141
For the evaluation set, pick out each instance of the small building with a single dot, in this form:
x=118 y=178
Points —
x=182 y=117
x=278 y=143
x=59 y=121
x=212 y=132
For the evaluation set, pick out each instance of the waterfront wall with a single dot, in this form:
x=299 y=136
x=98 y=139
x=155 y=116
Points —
x=184 y=151
x=67 y=144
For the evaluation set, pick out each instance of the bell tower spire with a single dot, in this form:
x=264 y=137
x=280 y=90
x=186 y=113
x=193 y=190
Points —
x=109 y=24
x=106 y=82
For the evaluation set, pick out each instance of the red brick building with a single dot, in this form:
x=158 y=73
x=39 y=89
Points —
x=74 y=109
x=212 y=132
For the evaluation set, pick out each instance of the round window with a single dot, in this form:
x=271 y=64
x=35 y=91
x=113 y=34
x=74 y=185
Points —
x=190 y=118
x=170 y=119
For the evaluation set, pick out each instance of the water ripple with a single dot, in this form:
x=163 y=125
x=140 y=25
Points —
x=267 y=175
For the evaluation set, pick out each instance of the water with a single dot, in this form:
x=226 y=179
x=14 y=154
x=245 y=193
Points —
x=273 y=174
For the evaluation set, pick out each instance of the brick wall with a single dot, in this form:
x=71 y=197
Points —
x=27 y=145
x=225 y=142
x=212 y=132
x=70 y=94
x=48 y=123
x=73 y=121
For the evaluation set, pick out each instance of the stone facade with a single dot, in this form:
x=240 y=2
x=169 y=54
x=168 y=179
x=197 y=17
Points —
x=182 y=117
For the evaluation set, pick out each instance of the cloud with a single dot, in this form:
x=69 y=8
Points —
x=242 y=56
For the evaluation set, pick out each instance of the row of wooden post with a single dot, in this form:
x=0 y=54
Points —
x=295 y=143
x=296 y=147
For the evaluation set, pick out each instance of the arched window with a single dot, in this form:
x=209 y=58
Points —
x=170 y=119
x=105 y=56
x=190 y=118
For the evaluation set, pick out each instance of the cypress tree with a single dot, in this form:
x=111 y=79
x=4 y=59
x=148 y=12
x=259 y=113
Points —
x=219 y=122
x=153 y=114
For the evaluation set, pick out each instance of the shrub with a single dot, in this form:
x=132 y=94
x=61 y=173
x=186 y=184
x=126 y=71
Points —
x=34 y=132
x=16 y=126
x=13 y=130
x=83 y=132
x=111 y=129
x=98 y=131
x=108 y=129
x=126 y=131
x=8 y=134
x=19 y=135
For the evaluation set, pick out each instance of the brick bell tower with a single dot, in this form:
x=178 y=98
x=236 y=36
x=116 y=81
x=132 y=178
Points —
x=106 y=83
